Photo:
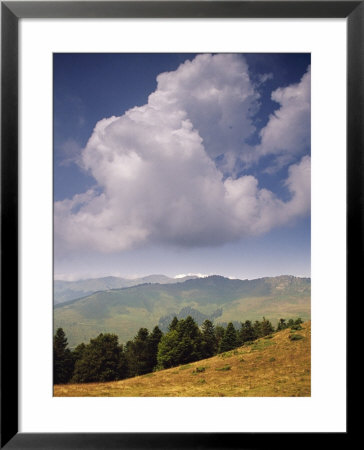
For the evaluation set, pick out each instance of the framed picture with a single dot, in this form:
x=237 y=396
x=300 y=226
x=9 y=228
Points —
x=217 y=65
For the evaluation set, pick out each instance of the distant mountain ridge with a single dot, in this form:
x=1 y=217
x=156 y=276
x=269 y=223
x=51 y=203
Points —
x=70 y=290
x=124 y=310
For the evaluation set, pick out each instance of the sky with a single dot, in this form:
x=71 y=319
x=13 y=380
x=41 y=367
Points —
x=181 y=164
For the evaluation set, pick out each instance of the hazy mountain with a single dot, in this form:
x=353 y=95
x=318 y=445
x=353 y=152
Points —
x=70 y=290
x=124 y=311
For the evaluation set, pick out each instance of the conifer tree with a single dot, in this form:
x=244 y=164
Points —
x=209 y=340
x=266 y=327
x=190 y=339
x=173 y=324
x=229 y=341
x=62 y=358
x=219 y=333
x=153 y=342
x=182 y=344
x=257 y=327
x=281 y=325
x=102 y=360
x=167 y=355
x=246 y=332
x=78 y=351
x=137 y=353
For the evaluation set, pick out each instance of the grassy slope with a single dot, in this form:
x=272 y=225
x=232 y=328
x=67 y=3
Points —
x=124 y=311
x=276 y=367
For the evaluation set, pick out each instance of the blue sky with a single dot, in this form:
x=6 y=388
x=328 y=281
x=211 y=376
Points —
x=181 y=163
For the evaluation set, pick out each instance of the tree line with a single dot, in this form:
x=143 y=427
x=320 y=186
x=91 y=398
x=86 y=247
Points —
x=104 y=359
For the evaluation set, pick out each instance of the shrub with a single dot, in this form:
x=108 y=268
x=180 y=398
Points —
x=227 y=367
x=295 y=337
x=199 y=370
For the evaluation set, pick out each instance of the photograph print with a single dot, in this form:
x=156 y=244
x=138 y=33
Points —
x=182 y=225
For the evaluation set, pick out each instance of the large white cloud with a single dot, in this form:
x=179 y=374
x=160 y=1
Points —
x=218 y=97
x=156 y=179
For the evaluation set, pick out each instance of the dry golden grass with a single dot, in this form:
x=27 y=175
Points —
x=275 y=367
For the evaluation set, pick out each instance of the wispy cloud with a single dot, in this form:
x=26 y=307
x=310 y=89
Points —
x=263 y=78
x=71 y=153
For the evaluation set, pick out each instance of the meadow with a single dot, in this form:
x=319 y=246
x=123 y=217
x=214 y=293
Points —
x=278 y=365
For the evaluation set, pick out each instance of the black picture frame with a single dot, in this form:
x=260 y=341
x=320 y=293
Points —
x=11 y=12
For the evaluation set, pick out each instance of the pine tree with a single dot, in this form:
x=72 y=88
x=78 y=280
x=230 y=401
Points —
x=102 y=360
x=229 y=341
x=281 y=325
x=219 y=334
x=153 y=342
x=190 y=339
x=122 y=366
x=137 y=353
x=167 y=355
x=266 y=327
x=62 y=358
x=173 y=324
x=142 y=352
x=181 y=345
x=209 y=340
x=78 y=351
x=257 y=327
x=246 y=332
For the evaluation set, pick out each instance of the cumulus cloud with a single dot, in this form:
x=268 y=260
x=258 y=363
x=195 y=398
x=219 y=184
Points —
x=256 y=211
x=156 y=174
x=219 y=102
x=287 y=133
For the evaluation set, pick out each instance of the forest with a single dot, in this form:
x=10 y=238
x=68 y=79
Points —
x=104 y=359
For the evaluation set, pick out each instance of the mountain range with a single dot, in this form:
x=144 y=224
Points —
x=70 y=290
x=124 y=310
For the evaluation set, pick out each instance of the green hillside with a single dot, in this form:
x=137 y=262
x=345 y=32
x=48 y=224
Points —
x=124 y=311
x=273 y=366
